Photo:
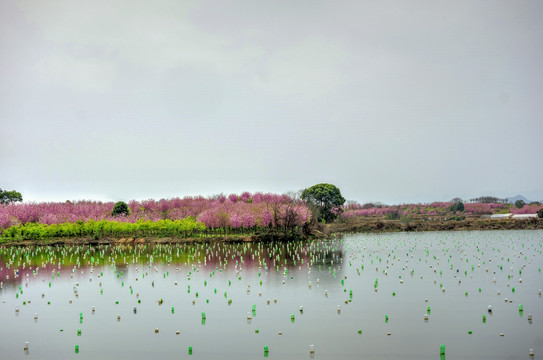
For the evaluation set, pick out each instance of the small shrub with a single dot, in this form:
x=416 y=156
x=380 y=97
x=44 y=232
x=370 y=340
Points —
x=540 y=214
x=393 y=215
x=456 y=218
x=120 y=208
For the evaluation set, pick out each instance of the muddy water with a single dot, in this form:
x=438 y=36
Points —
x=148 y=301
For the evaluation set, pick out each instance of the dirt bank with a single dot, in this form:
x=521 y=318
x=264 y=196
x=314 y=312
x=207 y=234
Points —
x=383 y=225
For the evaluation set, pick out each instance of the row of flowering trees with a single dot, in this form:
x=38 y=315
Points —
x=258 y=210
x=434 y=209
x=527 y=209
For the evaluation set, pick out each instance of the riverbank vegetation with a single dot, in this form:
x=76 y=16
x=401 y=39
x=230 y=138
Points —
x=319 y=211
x=187 y=227
x=435 y=209
x=189 y=217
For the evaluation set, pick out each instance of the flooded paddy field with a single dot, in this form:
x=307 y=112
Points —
x=382 y=296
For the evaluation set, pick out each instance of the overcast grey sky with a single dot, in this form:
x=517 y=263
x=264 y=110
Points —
x=392 y=101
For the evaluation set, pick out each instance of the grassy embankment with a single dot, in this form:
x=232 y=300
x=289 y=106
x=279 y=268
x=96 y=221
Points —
x=189 y=230
x=107 y=231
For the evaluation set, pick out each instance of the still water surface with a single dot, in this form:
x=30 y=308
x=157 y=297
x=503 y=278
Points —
x=149 y=301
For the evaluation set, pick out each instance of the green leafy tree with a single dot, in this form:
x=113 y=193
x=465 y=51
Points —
x=540 y=213
x=457 y=206
x=519 y=203
x=120 y=208
x=325 y=200
x=8 y=197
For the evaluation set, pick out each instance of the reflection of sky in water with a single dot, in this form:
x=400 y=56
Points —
x=414 y=267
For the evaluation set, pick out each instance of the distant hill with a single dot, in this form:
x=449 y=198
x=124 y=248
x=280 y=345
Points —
x=512 y=200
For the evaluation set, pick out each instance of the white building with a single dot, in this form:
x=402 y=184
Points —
x=501 y=216
x=524 y=216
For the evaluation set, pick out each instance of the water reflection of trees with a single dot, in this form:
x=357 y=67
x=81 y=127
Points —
x=54 y=261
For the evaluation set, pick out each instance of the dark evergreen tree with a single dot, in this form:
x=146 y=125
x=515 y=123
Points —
x=120 y=208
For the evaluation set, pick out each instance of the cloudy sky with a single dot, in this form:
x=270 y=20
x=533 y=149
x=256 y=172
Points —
x=392 y=101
